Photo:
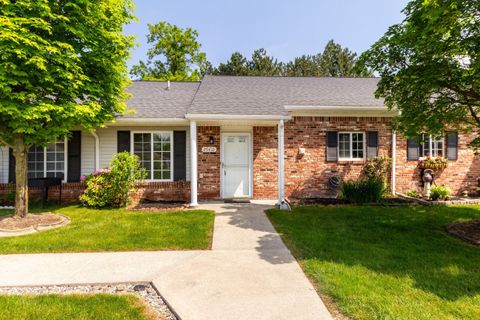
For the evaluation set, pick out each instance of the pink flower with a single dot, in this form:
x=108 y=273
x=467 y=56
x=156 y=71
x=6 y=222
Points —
x=82 y=178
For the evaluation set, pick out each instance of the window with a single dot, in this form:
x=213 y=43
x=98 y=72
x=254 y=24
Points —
x=155 y=152
x=47 y=162
x=351 y=145
x=434 y=143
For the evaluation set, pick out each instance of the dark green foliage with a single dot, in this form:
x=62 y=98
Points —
x=335 y=61
x=362 y=190
x=430 y=67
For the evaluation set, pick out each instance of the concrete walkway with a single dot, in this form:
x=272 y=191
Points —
x=248 y=274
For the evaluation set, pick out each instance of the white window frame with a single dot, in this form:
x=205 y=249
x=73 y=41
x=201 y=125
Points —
x=430 y=145
x=351 y=158
x=132 y=134
x=65 y=161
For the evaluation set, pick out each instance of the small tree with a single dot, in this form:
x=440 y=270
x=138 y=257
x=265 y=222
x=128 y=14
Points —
x=63 y=63
x=175 y=55
x=430 y=67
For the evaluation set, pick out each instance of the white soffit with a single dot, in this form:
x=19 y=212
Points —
x=357 y=111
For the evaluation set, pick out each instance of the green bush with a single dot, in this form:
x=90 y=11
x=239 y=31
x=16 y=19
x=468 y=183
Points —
x=368 y=190
x=109 y=187
x=439 y=193
x=378 y=168
x=414 y=194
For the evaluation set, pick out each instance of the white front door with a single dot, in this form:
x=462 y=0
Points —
x=236 y=170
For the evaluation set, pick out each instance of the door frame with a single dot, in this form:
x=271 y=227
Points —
x=250 y=162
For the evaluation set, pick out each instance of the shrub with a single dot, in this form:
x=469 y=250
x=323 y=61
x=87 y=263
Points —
x=414 y=194
x=368 y=190
x=378 y=168
x=109 y=187
x=439 y=193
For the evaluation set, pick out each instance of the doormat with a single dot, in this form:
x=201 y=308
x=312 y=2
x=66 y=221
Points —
x=236 y=201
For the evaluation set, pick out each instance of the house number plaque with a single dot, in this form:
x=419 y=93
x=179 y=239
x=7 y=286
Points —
x=209 y=149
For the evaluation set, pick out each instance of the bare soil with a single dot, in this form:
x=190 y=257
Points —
x=468 y=231
x=31 y=220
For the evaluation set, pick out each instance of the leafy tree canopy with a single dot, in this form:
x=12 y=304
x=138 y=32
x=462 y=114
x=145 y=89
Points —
x=63 y=63
x=430 y=66
x=175 y=55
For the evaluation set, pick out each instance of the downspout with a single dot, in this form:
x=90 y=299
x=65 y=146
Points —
x=97 y=150
x=394 y=161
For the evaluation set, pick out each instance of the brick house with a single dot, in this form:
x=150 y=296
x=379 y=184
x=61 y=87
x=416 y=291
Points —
x=222 y=137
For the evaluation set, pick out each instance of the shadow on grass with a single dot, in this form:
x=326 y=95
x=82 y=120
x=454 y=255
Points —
x=405 y=242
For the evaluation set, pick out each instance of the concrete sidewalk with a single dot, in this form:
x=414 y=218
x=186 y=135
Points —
x=248 y=274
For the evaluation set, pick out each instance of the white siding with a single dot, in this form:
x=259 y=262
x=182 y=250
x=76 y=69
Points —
x=87 y=157
x=3 y=165
x=108 y=146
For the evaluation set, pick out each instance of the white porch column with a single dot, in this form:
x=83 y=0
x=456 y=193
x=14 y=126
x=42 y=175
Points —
x=281 y=165
x=394 y=161
x=193 y=163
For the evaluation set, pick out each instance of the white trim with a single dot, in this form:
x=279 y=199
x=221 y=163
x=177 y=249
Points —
x=345 y=111
x=394 y=162
x=152 y=132
x=351 y=146
x=193 y=164
x=281 y=166
x=148 y=121
x=250 y=161
x=195 y=116
x=65 y=160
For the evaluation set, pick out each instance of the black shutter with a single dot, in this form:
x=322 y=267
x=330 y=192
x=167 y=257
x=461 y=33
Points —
x=123 y=141
x=74 y=156
x=11 y=166
x=452 y=145
x=372 y=144
x=413 y=149
x=332 y=146
x=179 y=155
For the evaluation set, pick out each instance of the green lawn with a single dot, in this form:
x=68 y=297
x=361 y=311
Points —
x=73 y=307
x=118 y=230
x=387 y=262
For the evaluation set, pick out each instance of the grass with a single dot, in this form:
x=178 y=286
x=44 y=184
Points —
x=386 y=262
x=117 y=230
x=73 y=307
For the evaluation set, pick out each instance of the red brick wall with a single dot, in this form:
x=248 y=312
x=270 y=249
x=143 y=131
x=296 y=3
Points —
x=177 y=191
x=460 y=175
x=265 y=163
x=208 y=163
x=307 y=175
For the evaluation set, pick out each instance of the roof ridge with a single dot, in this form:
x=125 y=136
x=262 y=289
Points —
x=284 y=77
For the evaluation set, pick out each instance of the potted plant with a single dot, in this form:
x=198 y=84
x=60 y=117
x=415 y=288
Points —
x=434 y=163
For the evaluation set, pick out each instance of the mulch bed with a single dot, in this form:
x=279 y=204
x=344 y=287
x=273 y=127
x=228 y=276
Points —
x=468 y=231
x=11 y=222
x=161 y=206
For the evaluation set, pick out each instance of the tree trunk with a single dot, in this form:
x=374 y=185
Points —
x=20 y=152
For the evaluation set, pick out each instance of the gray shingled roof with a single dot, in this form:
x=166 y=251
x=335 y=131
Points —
x=269 y=95
x=151 y=99
x=248 y=95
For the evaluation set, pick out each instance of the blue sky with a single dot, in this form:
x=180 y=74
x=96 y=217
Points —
x=285 y=28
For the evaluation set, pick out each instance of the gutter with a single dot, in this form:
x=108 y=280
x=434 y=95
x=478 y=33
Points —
x=196 y=116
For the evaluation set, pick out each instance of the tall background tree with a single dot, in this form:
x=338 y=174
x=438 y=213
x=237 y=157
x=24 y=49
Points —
x=430 y=66
x=175 y=55
x=334 y=61
x=63 y=63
